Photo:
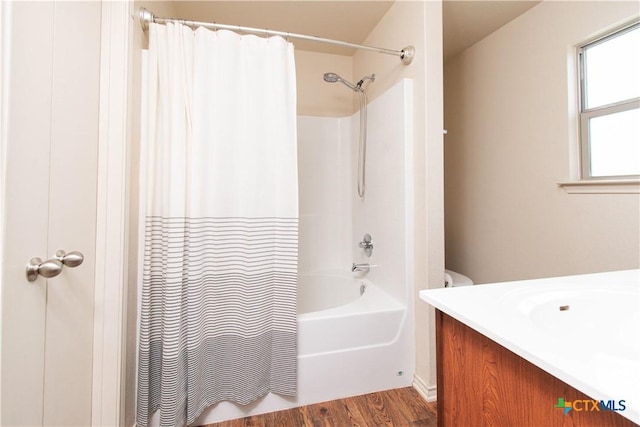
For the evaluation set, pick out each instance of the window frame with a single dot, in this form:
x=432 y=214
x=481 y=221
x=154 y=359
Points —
x=585 y=114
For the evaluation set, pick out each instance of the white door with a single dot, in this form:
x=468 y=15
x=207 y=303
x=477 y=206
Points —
x=52 y=66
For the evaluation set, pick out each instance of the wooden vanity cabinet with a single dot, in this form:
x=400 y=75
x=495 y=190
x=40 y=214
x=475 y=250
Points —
x=481 y=383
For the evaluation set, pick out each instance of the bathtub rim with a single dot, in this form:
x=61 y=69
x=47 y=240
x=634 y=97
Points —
x=361 y=304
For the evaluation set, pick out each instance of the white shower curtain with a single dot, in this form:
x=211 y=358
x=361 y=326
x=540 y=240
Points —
x=218 y=300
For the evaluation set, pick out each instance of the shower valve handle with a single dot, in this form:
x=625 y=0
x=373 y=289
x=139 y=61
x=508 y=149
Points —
x=366 y=244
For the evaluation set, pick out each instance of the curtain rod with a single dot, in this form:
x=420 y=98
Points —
x=146 y=17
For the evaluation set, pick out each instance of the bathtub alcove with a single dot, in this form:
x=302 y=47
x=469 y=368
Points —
x=355 y=330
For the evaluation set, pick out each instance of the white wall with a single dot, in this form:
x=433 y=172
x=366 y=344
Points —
x=510 y=112
x=324 y=181
x=385 y=210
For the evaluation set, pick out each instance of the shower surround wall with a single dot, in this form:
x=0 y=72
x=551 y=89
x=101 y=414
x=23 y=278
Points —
x=333 y=219
x=325 y=186
x=386 y=211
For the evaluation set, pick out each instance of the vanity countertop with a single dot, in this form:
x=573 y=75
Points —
x=584 y=329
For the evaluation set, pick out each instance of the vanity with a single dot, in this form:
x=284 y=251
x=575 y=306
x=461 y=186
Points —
x=560 y=351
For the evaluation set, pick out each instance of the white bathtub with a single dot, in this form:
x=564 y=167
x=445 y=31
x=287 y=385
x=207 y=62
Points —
x=343 y=313
x=349 y=343
x=582 y=329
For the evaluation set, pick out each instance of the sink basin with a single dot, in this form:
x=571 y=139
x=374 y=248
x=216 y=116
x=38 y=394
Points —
x=593 y=316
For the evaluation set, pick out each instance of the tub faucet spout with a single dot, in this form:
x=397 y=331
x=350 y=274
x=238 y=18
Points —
x=360 y=267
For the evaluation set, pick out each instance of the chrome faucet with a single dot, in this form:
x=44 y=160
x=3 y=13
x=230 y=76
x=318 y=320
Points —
x=360 y=267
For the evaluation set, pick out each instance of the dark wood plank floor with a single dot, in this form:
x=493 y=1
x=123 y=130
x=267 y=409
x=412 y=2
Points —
x=399 y=408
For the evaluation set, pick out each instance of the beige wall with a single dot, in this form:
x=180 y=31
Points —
x=317 y=97
x=510 y=115
x=419 y=24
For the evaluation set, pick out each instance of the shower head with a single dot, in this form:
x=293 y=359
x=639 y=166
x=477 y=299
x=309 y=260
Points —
x=333 y=77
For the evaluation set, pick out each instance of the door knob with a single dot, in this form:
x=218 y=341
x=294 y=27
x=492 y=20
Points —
x=72 y=259
x=53 y=267
x=48 y=269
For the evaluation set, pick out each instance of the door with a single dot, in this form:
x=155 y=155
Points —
x=51 y=105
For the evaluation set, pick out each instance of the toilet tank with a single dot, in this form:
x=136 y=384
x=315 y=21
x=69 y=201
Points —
x=453 y=279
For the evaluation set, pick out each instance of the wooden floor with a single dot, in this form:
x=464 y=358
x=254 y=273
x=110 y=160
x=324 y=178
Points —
x=398 y=407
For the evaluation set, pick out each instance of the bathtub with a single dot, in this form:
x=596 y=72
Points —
x=342 y=313
x=581 y=329
x=353 y=338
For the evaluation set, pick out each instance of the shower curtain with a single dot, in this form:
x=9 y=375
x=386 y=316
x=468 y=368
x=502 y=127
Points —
x=218 y=299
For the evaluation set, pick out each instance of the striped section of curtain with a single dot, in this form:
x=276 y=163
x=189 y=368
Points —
x=218 y=303
x=226 y=291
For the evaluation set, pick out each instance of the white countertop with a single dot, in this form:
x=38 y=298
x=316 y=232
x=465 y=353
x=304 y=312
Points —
x=594 y=345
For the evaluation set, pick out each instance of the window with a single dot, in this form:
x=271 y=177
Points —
x=610 y=105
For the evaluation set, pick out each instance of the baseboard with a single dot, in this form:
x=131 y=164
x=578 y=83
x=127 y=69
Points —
x=428 y=392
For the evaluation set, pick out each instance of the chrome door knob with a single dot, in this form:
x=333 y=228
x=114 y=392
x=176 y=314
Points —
x=53 y=267
x=50 y=268
x=47 y=269
x=71 y=259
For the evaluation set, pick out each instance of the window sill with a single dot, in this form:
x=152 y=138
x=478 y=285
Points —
x=626 y=186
